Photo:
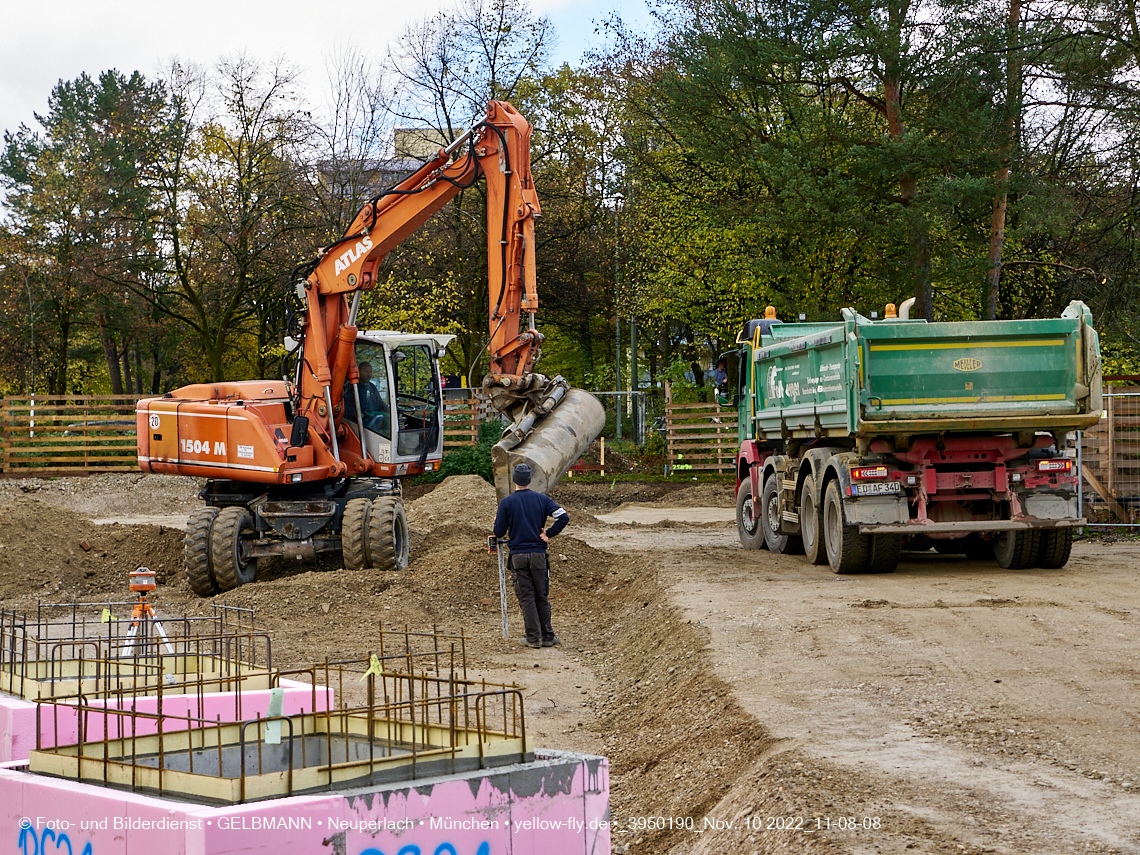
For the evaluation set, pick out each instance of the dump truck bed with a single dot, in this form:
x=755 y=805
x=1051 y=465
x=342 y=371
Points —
x=870 y=378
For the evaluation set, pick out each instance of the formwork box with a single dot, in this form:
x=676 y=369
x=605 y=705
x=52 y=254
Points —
x=557 y=803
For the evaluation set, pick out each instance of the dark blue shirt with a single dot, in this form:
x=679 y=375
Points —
x=523 y=514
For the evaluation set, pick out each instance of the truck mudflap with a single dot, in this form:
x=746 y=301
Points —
x=967 y=527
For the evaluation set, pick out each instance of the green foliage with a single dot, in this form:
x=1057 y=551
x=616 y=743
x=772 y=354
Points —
x=1119 y=357
x=472 y=459
x=684 y=390
x=809 y=156
x=654 y=447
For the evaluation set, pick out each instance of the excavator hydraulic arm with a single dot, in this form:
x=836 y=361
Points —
x=498 y=150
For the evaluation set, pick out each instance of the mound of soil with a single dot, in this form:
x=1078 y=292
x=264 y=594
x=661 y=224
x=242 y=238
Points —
x=721 y=494
x=601 y=498
x=458 y=500
x=47 y=552
x=110 y=495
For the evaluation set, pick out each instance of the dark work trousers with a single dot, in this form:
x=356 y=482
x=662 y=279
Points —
x=530 y=574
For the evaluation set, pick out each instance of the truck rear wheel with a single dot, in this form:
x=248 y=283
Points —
x=811 y=523
x=885 y=552
x=388 y=546
x=1016 y=550
x=848 y=551
x=781 y=544
x=747 y=518
x=230 y=528
x=354 y=534
x=196 y=553
x=1054 y=548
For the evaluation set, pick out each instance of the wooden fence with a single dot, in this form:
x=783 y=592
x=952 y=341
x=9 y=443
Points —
x=700 y=437
x=1110 y=454
x=460 y=422
x=68 y=434
x=84 y=434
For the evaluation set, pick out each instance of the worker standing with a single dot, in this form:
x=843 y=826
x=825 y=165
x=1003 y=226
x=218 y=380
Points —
x=523 y=514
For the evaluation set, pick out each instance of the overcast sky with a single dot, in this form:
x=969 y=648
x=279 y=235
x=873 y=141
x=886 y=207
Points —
x=44 y=41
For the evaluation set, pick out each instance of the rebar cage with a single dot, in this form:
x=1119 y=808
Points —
x=83 y=649
x=407 y=712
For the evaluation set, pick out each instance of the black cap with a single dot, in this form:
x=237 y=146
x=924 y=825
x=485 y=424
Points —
x=522 y=475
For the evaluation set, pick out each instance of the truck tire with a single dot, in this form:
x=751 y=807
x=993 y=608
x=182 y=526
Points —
x=354 y=534
x=196 y=553
x=811 y=523
x=1054 y=548
x=1016 y=550
x=747 y=519
x=388 y=546
x=781 y=544
x=848 y=551
x=885 y=552
x=231 y=526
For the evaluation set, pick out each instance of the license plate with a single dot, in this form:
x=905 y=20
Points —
x=880 y=488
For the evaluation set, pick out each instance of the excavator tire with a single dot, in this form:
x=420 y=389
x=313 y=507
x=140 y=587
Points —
x=229 y=527
x=196 y=553
x=354 y=534
x=387 y=538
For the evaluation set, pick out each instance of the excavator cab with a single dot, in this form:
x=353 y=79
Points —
x=400 y=399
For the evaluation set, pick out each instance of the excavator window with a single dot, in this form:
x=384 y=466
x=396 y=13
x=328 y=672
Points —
x=375 y=394
x=417 y=398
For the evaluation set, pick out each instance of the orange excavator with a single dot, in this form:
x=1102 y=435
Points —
x=313 y=463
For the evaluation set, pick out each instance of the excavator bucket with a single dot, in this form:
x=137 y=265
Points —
x=553 y=444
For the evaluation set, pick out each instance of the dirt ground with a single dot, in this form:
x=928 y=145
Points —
x=949 y=707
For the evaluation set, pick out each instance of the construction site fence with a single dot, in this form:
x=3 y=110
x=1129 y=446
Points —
x=701 y=438
x=48 y=436
x=1109 y=459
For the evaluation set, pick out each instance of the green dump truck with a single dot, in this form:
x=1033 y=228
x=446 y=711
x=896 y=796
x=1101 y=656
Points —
x=862 y=438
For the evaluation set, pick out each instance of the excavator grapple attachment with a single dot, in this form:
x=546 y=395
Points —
x=552 y=445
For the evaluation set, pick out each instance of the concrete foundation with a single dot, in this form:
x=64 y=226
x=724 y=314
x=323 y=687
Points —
x=556 y=805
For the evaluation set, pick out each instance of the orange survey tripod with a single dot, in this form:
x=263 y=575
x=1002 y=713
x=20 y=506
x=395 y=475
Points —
x=142 y=581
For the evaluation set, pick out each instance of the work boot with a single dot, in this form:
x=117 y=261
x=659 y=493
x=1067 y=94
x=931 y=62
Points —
x=553 y=641
x=526 y=642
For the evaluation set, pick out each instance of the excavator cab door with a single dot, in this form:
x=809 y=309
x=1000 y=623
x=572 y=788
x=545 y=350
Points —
x=375 y=392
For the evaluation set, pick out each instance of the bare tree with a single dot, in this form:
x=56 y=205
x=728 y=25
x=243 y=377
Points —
x=353 y=137
x=236 y=209
x=447 y=68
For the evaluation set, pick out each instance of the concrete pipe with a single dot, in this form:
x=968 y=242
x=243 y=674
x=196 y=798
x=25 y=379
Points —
x=553 y=446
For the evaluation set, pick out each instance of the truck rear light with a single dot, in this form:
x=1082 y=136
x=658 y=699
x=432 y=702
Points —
x=912 y=480
x=862 y=472
x=1058 y=465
